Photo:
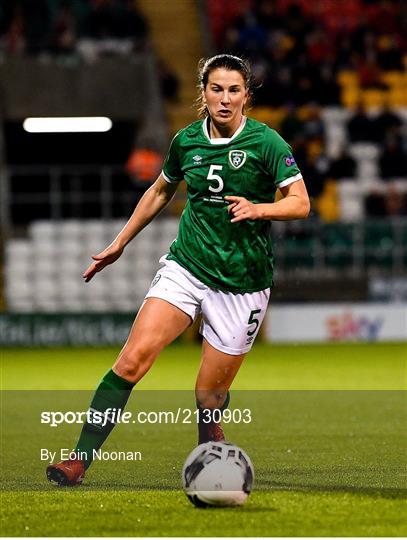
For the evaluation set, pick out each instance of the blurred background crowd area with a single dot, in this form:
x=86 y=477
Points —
x=330 y=76
x=322 y=51
x=305 y=56
x=71 y=29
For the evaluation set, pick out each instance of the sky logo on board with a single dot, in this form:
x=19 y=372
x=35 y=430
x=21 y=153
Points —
x=347 y=326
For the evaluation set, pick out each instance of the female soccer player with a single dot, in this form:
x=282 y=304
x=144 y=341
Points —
x=221 y=263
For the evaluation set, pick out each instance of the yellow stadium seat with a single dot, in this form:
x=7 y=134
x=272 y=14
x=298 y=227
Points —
x=347 y=78
x=314 y=148
x=270 y=116
x=373 y=98
x=303 y=112
x=397 y=98
x=393 y=79
x=327 y=204
x=350 y=96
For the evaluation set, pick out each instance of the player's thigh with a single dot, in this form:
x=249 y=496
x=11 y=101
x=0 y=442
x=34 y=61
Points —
x=170 y=306
x=157 y=324
x=216 y=374
x=231 y=322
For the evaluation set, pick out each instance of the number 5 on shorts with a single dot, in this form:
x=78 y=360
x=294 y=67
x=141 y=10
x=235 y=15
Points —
x=253 y=320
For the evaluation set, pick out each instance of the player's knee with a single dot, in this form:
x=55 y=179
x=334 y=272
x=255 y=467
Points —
x=210 y=399
x=135 y=361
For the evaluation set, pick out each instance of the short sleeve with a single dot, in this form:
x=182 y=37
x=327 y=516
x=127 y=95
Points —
x=279 y=160
x=172 y=171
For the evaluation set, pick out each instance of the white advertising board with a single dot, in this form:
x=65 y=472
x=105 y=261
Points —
x=336 y=322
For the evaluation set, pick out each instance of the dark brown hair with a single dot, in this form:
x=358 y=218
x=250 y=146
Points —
x=226 y=61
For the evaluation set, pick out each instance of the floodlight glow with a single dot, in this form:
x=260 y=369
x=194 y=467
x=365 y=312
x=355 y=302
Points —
x=74 y=124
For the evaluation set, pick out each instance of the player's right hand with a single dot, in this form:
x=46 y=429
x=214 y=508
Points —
x=106 y=257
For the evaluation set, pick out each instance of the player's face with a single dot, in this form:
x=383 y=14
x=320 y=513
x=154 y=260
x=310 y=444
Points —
x=225 y=96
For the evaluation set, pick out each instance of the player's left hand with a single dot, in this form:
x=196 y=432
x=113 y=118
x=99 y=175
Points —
x=241 y=208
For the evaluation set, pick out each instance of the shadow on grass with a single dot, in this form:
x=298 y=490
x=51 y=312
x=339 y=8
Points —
x=385 y=492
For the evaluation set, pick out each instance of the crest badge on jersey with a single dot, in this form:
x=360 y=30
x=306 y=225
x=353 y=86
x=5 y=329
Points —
x=237 y=158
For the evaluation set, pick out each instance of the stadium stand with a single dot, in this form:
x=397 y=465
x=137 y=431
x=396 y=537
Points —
x=331 y=79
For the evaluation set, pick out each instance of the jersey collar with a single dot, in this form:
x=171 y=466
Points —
x=221 y=140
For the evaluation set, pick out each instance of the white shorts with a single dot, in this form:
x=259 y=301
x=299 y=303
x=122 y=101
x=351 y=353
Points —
x=230 y=322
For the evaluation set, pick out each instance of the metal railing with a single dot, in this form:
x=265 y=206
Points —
x=311 y=247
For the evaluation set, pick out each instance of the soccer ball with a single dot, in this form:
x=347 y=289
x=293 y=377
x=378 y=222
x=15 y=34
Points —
x=217 y=474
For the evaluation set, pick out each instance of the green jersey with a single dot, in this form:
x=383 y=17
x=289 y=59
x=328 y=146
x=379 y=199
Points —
x=234 y=257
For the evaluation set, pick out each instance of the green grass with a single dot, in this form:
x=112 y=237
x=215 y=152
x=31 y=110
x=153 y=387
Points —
x=303 y=367
x=327 y=440
x=158 y=513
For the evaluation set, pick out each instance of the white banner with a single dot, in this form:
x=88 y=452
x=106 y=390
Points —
x=336 y=322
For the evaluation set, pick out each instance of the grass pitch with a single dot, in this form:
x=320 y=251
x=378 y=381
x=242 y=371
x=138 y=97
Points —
x=327 y=440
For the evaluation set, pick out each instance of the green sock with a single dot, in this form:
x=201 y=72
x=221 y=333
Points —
x=112 y=393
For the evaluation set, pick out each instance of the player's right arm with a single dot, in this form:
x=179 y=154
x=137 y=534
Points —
x=150 y=205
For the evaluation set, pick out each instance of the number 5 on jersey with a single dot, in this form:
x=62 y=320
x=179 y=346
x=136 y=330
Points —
x=213 y=176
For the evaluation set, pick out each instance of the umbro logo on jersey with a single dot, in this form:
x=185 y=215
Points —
x=237 y=158
x=197 y=159
x=155 y=280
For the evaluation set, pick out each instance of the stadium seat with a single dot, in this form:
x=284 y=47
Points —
x=95 y=288
x=327 y=202
x=348 y=78
x=45 y=249
x=373 y=98
x=163 y=244
x=69 y=266
x=18 y=249
x=92 y=245
x=335 y=138
x=17 y=270
x=95 y=227
x=394 y=79
x=268 y=115
x=400 y=184
x=335 y=115
x=142 y=283
x=71 y=229
x=70 y=248
x=350 y=96
x=44 y=288
x=144 y=247
x=19 y=290
x=39 y=230
x=367 y=168
x=351 y=202
x=69 y=287
x=46 y=267
x=364 y=150
x=367 y=184
x=397 y=97
x=144 y=266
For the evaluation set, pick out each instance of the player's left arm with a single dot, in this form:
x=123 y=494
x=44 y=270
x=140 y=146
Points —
x=294 y=204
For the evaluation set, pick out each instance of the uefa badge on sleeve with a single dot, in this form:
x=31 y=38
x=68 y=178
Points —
x=237 y=158
x=289 y=160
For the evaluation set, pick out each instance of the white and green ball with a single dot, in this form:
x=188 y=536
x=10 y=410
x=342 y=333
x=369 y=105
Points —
x=217 y=474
